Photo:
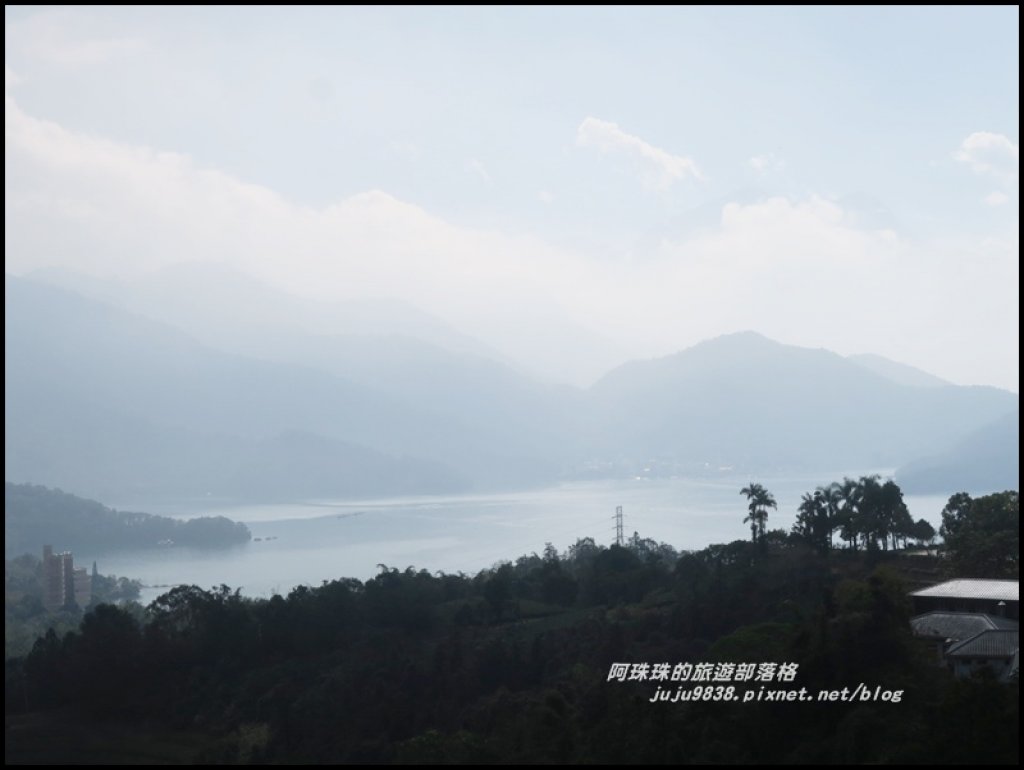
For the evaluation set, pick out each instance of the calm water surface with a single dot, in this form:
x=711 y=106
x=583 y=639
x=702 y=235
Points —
x=309 y=542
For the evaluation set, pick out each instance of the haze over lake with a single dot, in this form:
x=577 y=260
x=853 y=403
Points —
x=324 y=540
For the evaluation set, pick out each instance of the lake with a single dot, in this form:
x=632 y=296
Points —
x=309 y=542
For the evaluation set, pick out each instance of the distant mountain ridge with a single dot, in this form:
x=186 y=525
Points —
x=743 y=400
x=93 y=392
x=986 y=459
x=897 y=372
x=224 y=308
x=111 y=404
x=234 y=312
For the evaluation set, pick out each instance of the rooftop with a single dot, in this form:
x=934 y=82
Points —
x=957 y=625
x=972 y=588
x=987 y=644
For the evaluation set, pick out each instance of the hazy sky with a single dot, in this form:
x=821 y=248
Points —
x=843 y=178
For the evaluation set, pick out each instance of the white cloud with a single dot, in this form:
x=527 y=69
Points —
x=766 y=163
x=801 y=271
x=991 y=154
x=996 y=198
x=545 y=197
x=103 y=208
x=659 y=169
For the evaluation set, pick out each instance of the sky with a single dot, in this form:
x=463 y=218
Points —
x=845 y=178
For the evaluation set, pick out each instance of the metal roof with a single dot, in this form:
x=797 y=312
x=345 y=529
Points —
x=973 y=588
x=957 y=625
x=987 y=644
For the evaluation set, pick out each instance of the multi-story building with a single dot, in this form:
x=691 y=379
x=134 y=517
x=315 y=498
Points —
x=62 y=583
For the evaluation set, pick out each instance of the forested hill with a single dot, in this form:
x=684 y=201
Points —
x=515 y=665
x=35 y=515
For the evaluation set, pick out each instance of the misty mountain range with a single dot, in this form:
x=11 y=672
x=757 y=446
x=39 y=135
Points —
x=988 y=458
x=214 y=385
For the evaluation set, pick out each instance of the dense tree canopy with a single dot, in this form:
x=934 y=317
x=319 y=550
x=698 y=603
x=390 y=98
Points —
x=34 y=515
x=866 y=513
x=982 y=535
x=511 y=664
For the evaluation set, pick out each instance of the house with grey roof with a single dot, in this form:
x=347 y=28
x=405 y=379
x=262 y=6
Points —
x=995 y=649
x=999 y=598
x=973 y=624
x=945 y=629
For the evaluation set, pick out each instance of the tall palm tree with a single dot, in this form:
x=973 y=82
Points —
x=807 y=519
x=873 y=523
x=893 y=511
x=849 y=520
x=759 y=500
x=831 y=498
x=815 y=519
